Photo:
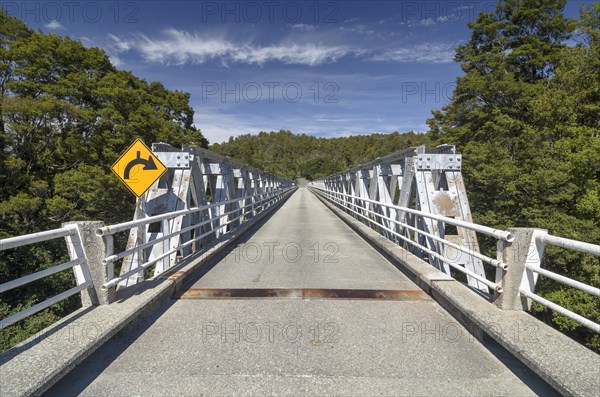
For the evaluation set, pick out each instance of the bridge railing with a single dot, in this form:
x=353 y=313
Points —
x=244 y=206
x=78 y=263
x=375 y=218
x=532 y=268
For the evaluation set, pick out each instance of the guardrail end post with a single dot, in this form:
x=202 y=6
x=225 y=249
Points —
x=94 y=248
x=516 y=254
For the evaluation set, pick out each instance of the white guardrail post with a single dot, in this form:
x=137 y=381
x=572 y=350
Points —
x=93 y=248
x=524 y=257
x=517 y=254
x=79 y=264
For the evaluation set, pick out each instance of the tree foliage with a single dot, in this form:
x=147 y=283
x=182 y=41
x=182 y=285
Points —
x=66 y=113
x=526 y=116
x=306 y=156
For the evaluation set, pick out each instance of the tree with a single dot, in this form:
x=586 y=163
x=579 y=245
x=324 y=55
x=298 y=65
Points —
x=526 y=117
x=66 y=114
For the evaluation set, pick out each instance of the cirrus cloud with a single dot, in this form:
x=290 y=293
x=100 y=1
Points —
x=419 y=53
x=180 y=47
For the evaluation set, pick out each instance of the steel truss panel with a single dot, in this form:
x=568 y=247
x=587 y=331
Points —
x=195 y=177
x=429 y=181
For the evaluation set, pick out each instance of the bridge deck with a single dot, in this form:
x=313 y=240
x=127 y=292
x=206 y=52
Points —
x=282 y=336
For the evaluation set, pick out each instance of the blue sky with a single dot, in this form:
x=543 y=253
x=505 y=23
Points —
x=324 y=68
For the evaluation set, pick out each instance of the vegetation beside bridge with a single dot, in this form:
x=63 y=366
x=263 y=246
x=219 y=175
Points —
x=66 y=114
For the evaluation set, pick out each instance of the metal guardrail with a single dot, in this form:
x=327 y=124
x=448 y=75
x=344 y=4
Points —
x=409 y=197
x=533 y=269
x=194 y=203
x=420 y=229
x=258 y=202
x=359 y=207
x=78 y=264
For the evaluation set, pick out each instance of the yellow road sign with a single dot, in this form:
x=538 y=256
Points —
x=138 y=168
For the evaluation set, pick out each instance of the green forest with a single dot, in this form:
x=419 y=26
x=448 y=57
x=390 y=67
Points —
x=525 y=114
x=305 y=156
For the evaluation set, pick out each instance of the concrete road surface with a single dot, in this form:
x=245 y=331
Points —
x=272 y=327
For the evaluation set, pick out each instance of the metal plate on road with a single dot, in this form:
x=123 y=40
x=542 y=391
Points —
x=305 y=293
x=138 y=168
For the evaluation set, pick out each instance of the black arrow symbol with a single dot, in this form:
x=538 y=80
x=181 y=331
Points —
x=148 y=165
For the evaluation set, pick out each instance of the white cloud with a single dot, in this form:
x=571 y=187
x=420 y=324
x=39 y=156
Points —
x=421 y=53
x=360 y=29
x=180 y=47
x=177 y=47
x=429 y=21
x=116 y=61
x=54 y=25
x=303 y=27
x=119 y=44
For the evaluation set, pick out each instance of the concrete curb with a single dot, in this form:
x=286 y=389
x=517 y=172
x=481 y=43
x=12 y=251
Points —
x=566 y=365
x=32 y=367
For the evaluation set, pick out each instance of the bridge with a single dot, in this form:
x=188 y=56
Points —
x=232 y=281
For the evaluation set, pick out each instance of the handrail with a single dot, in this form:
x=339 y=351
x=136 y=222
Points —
x=487 y=259
x=495 y=262
x=269 y=198
x=566 y=243
x=358 y=207
x=239 y=193
x=109 y=230
x=83 y=277
x=542 y=238
x=119 y=227
x=565 y=280
x=498 y=234
x=27 y=239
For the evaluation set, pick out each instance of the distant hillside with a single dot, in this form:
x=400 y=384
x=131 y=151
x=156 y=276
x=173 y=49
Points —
x=305 y=156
